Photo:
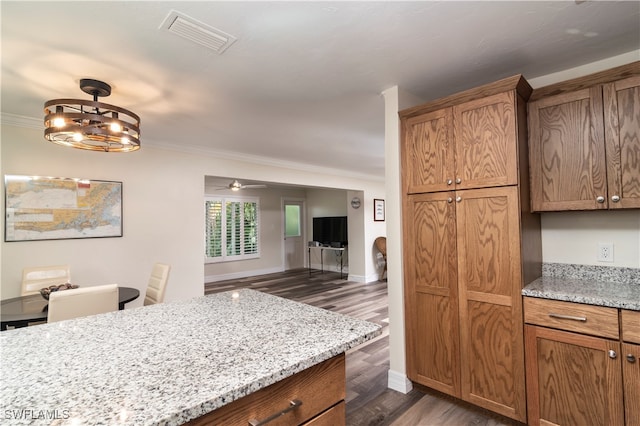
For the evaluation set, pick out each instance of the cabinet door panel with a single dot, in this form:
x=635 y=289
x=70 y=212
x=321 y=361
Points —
x=428 y=152
x=436 y=357
x=431 y=295
x=567 y=156
x=631 y=378
x=489 y=281
x=622 y=135
x=488 y=241
x=485 y=140
x=488 y=364
x=571 y=379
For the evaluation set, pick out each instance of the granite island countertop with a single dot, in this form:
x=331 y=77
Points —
x=601 y=286
x=166 y=363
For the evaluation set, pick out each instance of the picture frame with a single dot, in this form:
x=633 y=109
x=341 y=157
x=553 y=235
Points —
x=55 y=208
x=378 y=210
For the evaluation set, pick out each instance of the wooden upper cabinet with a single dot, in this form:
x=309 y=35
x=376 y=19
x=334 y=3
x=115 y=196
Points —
x=485 y=142
x=584 y=142
x=464 y=141
x=622 y=136
x=567 y=156
x=428 y=160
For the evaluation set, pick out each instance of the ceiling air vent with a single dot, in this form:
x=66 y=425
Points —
x=186 y=27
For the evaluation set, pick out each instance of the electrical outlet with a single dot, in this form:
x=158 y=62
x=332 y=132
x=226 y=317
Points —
x=605 y=252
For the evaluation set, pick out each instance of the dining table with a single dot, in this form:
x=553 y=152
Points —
x=20 y=311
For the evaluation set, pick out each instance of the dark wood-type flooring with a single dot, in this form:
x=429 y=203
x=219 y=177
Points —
x=369 y=400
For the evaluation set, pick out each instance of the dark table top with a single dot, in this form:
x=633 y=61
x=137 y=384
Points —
x=24 y=309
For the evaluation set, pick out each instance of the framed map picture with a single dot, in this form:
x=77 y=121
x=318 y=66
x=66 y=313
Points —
x=47 y=208
x=378 y=210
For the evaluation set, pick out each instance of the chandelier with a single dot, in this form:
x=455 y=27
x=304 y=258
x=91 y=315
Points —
x=91 y=125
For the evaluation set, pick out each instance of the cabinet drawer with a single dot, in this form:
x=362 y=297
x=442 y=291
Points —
x=332 y=417
x=318 y=388
x=569 y=316
x=630 y=326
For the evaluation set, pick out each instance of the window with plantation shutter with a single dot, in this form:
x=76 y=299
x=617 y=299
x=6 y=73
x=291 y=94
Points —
x=231 y=229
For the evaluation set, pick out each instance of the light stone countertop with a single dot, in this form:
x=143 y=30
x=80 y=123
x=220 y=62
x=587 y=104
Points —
x=593 y=285
x=167 y=363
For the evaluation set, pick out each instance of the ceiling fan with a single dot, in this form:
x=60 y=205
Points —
x=235 y=185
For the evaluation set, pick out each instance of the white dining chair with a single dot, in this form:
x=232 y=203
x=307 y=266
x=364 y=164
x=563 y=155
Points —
x=81 y=302
x=35 y=278
x=157 y=284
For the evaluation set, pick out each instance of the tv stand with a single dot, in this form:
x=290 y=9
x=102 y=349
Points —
x=322 y=249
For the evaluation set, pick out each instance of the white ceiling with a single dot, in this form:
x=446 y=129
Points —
x=302 y=83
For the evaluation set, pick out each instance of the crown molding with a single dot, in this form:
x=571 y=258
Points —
x=21 y=121
x=35 y=123
x=264 y=161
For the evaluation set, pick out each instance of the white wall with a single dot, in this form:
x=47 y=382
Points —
x=573 y=237
x=395 y=100
x=163 y=219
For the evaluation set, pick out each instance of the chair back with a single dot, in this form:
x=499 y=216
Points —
x=81 y=302
x=35 y=278
x=381 y=245
x=157 y=284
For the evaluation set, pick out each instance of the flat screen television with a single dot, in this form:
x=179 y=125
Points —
x=330 y=230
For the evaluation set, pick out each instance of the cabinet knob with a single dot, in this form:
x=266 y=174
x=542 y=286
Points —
x=612 y=354
x=449 y=181
x=458 y=199
x=631 y=358
x=449 y=200
x=600 y=199
x=458 y=180
x=615 y=198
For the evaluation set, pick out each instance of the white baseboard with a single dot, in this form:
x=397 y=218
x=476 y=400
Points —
x=242 y=274
x=357 y=278
x=399 y=382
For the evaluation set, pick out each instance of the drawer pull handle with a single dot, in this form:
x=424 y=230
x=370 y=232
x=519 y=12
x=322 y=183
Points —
x=292 y=406
x=568 y=317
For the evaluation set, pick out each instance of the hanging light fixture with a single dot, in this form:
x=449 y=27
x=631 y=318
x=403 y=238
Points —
x=91 y=125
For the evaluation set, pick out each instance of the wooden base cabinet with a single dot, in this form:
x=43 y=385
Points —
x=314 y=396
x=469 y=244
x=573 y=379
x=582 y=364
x=630 y=324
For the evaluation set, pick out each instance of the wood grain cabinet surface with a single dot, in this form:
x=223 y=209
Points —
x=320 y=390
x=581 y=366
x=630 y=324
x=585 y=142
x=465 y=176
x=464 y=146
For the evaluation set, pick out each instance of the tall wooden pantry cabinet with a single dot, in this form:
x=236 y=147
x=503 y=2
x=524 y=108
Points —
x=470 y=243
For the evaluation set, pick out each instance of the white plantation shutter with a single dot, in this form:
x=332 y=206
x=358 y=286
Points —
x=213 y=236
x=231 y=234
x=250 y=228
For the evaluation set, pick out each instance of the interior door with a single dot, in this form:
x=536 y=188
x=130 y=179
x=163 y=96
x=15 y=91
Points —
x=293 y=234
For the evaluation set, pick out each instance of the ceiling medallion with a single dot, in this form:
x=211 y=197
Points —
x=91 y=125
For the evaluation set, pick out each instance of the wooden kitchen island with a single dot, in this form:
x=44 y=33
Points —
x=228 y=358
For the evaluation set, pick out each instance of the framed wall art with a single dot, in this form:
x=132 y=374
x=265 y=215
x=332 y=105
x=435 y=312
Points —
x=378 y=210
x=49 y=208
